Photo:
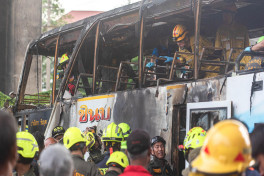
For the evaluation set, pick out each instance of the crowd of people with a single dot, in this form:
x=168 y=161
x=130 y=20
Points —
x=226 y=149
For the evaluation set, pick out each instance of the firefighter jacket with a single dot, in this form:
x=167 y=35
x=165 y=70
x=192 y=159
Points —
x=203 y=42
x=159 y=167
x=232 y=36
x=83 y=168
x=95 y=156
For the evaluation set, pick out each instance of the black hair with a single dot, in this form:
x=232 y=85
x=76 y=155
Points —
x=40 y=139
x=23 y=160
x=257 y=140
x=8 y=130
x=78 y=146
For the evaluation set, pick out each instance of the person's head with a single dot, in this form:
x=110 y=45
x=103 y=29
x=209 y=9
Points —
x=138 y=148
x=226 y=150
x=126 y=132
x=58 y=132
x=257 y=142
x=118 y=160
x=8 y=148
x=40 y=140
x=27 y=147
x=63 y=62
x=158 y=147
x=229 y=13
x=49 y=141
x=180 y=34
x=98 y=142
x=55 y=160
x=193 y=139
x=112 y=137
x=75 y=141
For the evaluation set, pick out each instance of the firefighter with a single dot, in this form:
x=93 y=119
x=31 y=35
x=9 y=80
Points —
x=226 y=151
x=126 y=132
x=64 y=61
x=231 y=34
x=192 y=144
x=57 y=133
x=117 y=162
x=257 y=61
x=27 y=149
x=112 y=138
x=159 y=165
x=95 y=154
x=180 y=34
x=77 y=144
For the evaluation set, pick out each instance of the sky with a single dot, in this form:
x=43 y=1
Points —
x=93 y=5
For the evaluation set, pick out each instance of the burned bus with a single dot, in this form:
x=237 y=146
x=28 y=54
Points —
x=108 y=54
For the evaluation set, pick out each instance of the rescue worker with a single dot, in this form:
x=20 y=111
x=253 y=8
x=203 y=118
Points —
x=138 y=151
x=159 y=165
x=77 y=144
x=257 y=142
x=112 y=138
x=226 y=151
x=192 y=144
x=257 y=61
x=126 y=132
x=185 y=41
x=8 y=147
x=49 y=141
x=57 y=133
x=27 y=149
x=64 y=62
x=117 y=162
x=231 y=34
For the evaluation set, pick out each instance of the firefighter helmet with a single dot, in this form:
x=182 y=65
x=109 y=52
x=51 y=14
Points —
x=90 y=138
x=156 y=139
x=72 y=136
x=179 y=33
x=26 y=144
x=118 y=158
x=58 y=130
x=226 y=149
x=112 y=133
x=125 y=129
x=64 y=59
x=194 y=138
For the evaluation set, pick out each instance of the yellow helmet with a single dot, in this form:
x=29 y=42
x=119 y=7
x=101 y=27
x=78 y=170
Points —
x=118 y=158
x=90 y=138
x=179 y=32
x=26 y=144
x=125 y=129
x=226 y=149
x=72 y=136
x=64 y=59
x=113 y=133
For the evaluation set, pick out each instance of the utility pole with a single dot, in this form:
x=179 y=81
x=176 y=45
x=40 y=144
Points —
x=47 y=59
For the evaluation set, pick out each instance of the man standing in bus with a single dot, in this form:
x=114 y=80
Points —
x=159 y=165
x=231 y=34
x=180 y=34
x=64 y=62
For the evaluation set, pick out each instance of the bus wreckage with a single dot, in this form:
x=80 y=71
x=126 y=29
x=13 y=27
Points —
x=111 y=87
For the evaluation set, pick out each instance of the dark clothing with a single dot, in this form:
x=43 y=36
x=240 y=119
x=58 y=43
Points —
x=135 y=171
x=112 y=173
x=95 y=156
x=102 y=164
x=159 y=167
x=252 y=172
x=29 y=173
x=83 y=168
x=35 y=167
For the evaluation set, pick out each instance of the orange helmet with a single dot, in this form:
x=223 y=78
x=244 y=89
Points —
x=226 y=150
x=179 y=32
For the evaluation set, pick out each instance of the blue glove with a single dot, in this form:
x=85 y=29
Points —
x=247 y=49
x=150 y=65
x=168 y=59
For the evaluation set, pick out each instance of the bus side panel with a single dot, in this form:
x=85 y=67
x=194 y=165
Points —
x=247 y=95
